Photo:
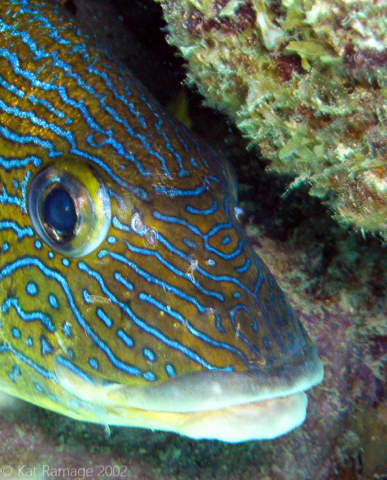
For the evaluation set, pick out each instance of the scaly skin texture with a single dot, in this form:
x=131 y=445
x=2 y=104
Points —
x=170 y=284
x=306 y=82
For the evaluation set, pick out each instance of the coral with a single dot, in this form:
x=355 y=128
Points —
x=306 y=80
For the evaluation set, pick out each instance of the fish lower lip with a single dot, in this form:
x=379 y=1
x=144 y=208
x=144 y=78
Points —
x=262 y=420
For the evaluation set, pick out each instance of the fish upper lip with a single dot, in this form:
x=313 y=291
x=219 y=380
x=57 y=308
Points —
x=266 y=419
x=209 y=390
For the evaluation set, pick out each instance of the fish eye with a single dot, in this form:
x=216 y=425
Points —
x=59 y=212
x=69 y=207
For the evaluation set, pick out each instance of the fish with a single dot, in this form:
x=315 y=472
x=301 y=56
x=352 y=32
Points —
x=129 y=292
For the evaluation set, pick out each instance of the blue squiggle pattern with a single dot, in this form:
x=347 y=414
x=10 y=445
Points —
x=30 y=261
x=143 y=325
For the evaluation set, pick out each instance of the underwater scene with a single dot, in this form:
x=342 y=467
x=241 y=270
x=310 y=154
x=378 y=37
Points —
x=193 y=263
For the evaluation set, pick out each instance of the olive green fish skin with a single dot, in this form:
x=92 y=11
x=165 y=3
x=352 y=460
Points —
x=174 y=286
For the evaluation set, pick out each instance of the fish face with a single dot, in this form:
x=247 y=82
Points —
x=129 y=292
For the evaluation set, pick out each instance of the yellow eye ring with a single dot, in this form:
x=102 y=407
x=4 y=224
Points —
x=69 y=207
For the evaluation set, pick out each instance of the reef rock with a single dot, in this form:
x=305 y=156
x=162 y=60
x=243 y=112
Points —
x=306 y=80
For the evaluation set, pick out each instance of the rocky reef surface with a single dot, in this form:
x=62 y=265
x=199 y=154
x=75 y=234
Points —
x=337 y=283
x=306 y=80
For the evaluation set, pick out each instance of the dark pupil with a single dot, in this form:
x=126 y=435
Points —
x=59 y=211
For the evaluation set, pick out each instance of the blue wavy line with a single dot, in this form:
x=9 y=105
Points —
x=5 y=198
x=188 y=276
x=197 y=333
x=129 y=286
x=78 y=371
x=8 y=164
x=244 y=267
x=151 y=279
x=32 y=78
x=47 y=105
x=20 y=231
x=106 y=320
x=189 y=192
x=28 y=316
x=11 y=88
x=41 y=53
x=206 y=237
x=120 y=226
x=121 y=98
x=199 y=211
x=16 y=138
x=219 y=253
x=31 y=261
x=27 y=360
x=41 y=19
x=142 y=324
x=198 y=269
x=238 y=332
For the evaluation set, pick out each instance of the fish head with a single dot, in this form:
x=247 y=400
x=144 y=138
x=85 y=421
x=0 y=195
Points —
x=174 y=319
x=130 y=294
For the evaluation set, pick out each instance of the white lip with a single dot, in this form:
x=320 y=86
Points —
x=263 y=420
x=228 y=406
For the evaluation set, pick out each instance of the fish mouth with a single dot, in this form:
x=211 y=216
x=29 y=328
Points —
x=226 y=406
x=263 y=420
